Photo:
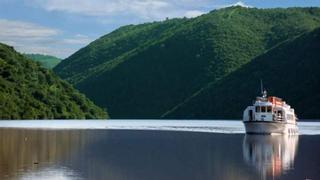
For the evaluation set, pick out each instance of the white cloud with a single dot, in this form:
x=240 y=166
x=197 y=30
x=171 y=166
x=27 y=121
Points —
x=193 y=13
x=143 y=9
x=19 y=29
x=32 y=38
x=78 y=39
x=242 y=4
x=147 y=9
x=238 y=3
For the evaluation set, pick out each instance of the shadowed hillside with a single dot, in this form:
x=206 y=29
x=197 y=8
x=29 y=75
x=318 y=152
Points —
x=290 y=70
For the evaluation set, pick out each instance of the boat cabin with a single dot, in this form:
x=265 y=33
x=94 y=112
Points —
x=269 y=109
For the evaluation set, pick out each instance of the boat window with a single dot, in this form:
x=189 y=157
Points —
x=279 y=114
x=269 y=109
x=263 y=109
x=257 y=108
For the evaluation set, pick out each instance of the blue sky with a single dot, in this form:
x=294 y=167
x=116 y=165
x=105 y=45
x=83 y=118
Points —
x=61 y=27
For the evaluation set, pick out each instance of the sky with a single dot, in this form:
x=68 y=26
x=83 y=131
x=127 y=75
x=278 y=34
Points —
x=61 y=27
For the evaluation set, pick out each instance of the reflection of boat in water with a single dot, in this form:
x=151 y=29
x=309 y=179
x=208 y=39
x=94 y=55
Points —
x=270 y=155
x=269 y=115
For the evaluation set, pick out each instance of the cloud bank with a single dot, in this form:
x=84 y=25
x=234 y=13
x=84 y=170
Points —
x=144 y=9
x=32 y=38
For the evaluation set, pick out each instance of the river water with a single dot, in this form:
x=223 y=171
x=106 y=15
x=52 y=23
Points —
x=152 y=150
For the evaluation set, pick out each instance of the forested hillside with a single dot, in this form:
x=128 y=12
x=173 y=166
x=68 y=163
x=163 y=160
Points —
x=290 y=70
x=28 y=91
x=148 y=70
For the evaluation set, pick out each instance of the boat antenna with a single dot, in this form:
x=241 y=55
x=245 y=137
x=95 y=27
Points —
x=263 y=91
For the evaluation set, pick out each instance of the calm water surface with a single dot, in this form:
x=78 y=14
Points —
x=137 y=150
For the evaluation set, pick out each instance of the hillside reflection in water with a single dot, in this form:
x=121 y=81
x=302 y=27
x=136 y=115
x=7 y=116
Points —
x=154 y=155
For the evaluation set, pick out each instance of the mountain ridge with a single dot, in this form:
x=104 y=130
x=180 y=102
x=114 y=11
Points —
x=138 y=77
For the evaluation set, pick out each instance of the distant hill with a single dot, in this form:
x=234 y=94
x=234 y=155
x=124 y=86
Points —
x=28 y=91
x=148 y=70
x=45 y=60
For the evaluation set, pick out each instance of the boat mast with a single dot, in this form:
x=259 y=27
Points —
x=263 y=92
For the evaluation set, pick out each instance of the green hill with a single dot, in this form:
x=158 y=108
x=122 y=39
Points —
x=144 y=71
x=290 y=70
x=28 y=91
x=45 y=60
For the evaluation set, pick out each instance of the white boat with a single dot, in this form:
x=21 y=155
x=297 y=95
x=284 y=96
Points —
x=270 y=115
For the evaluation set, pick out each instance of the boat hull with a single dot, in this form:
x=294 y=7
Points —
x=263 y=127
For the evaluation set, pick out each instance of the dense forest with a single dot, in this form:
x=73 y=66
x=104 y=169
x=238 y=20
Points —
x=290 y=70
x=45 y=60
x=29 y=91
x=184 y=68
